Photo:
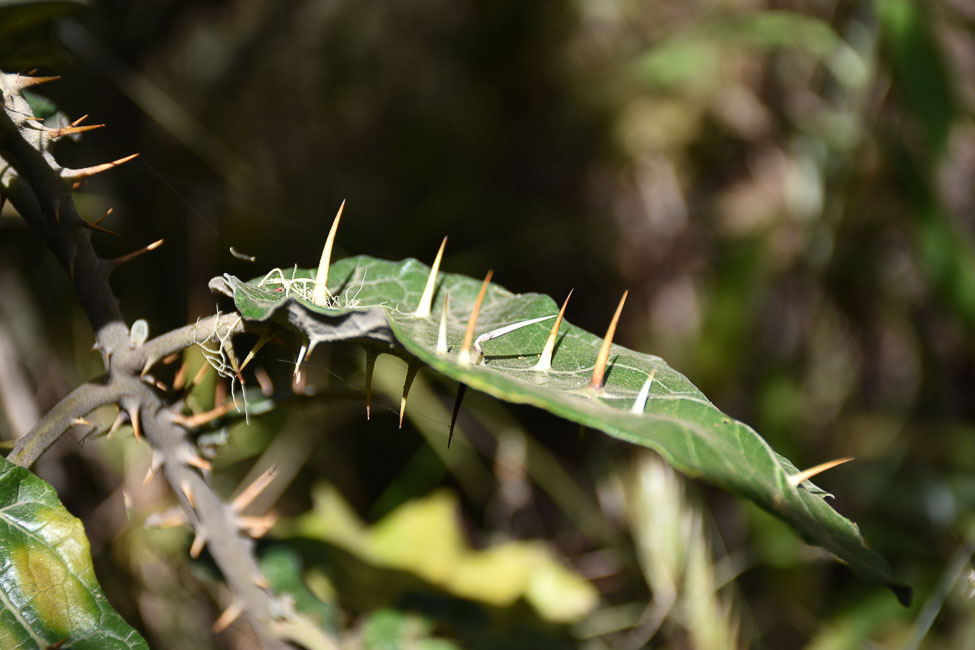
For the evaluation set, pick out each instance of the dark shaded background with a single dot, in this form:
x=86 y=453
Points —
x=784 y=187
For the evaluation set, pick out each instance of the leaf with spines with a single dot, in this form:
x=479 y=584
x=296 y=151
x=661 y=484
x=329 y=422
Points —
x=50 y=596
x=375 y=299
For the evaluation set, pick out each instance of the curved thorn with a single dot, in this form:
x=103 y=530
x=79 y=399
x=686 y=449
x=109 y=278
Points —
x=321 y=295
x=545 y=359
x=86 y=172
x=507 y=329
x=461 y=391
x=371 y=356
x=641 y=400
x=442 y=334
x=464 y=357
x=407 y=384
x=805 y=475
x=426 y=300
x=599 y=371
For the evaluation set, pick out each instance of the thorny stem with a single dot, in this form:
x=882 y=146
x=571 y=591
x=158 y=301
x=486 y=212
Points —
x=35 y=184
x=121 y=385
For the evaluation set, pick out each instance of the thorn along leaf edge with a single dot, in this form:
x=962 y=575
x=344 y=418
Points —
x=674 y=419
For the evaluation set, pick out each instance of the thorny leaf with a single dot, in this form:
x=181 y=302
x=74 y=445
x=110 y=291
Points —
x=375 y=299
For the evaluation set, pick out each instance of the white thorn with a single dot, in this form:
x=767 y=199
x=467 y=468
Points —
x=442 y=334
x=641 y=400
x=301 y=357
x=501 y=331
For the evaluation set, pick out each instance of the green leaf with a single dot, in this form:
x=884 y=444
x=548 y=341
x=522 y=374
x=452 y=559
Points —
x=374 y=300
x=424 y=537
x=919 y=67
x=47 y=584
x=389 y=629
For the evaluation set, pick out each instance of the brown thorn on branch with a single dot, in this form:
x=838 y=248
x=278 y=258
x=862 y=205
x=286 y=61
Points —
x=118 y=261
x=407 y=383
x=461 y=391
x=252 y=491
x=55 y=134
x=80 y=120
x=87 y=172
x=199 y=462
x=155 y=462
x=371 y=356
x=426 y=300
x=545 y=359
x=257 y=527
x=599 y=372
x=464 y=357
x=94 y=226
x=229 y=615
x=170 y=359
x=188 y=493
x=320 y=295
x=199 y=540
x=261 y=582
x=27 y=81
x=134 y=418
x=201 y=419
x=805 y=475
x=81 y=421
x=103 y=217
x=180 y=377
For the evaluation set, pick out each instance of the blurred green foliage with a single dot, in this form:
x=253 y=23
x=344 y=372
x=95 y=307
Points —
x=785 y=188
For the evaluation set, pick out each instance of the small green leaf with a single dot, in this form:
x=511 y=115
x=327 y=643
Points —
x=375 y=299
x=47 y=583
x=389 y=629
